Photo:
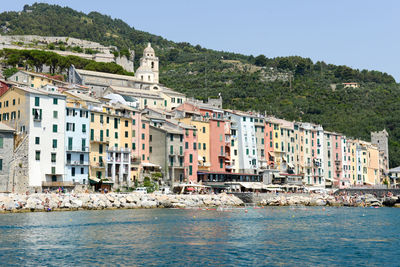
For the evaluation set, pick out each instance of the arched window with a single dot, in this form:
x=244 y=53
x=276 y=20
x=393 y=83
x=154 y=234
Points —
x=152 y=65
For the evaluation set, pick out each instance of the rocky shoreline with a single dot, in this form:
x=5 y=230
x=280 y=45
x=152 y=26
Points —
x=40 y=202
x=90 y=201
x=366 y=200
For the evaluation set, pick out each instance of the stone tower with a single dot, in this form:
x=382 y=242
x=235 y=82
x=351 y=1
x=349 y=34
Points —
x=380 y=139
x=148 y=69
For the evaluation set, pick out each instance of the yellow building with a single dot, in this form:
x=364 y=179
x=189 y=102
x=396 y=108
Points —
x=373 y=165
x=34 y=80
x=203 y=139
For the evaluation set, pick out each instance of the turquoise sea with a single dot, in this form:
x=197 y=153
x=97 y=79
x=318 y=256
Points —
x=281 y=236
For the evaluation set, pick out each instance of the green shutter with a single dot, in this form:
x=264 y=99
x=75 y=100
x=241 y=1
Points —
x=1 y=142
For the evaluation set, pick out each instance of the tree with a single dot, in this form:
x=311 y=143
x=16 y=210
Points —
x=261 y=61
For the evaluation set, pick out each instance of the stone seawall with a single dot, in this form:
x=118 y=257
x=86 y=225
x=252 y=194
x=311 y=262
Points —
x=60 y=202
x=366 y=200
x=375 y=192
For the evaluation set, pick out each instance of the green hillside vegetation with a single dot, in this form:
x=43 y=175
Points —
x=245 y=82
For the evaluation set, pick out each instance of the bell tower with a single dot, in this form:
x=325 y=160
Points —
x=148 y=69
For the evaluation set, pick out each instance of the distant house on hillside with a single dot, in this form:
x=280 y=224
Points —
x=351 y=85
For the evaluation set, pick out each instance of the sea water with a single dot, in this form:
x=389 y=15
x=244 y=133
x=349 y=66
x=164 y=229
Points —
x=280 y=236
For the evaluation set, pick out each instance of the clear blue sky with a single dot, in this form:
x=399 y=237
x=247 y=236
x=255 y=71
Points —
x=362 y=34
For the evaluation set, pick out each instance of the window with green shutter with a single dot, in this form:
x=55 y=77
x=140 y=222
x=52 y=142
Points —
x=37 y=155
x=133 y=146
x=1 y=142
x=92 y=134
x=55 y=101
x=55 y=128
x=181 y=150
x=191 y=158
x=54 y=143
x=83 y=144
x=171 y=149
x=83 y=128
x=37 y=140
x=37 y=101
x=70 y=143
x=190 y=170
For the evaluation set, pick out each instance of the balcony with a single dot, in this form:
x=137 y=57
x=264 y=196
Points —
x=78 y=149
x=119 y=149
x=98 y=165
x=77 y=163
x=98 y=139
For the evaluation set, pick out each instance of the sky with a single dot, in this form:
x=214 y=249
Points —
x=362 y=34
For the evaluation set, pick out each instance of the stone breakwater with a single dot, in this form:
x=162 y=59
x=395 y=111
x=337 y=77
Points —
x=367 y=200
x=61 y=202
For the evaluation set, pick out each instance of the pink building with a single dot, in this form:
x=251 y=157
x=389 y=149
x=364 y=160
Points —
x=217 y=145
x=190 y=153
x=337 y=159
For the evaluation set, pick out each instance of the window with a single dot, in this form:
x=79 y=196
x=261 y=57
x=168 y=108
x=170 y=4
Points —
x=217 y=123
x=221 y=163
x=187 y=145
x=92 y=117
x=37 y=101
x=53 y=157
x=151 y=149
x=133 y=122
x=83 y=128
x=100 y=148
x=73 y=171
x=37 y=140
x=70 y=143
x=55 y=128
x=244 y=118
x=126 y=133
x=143 y=126
x=115 y=123
x=171 y=137
x=55 y=101
x=143 y=136
x=53 y=170
x=247 y=151
x=194 y=146
x=190 y=158
x=126 y=123
x=133 y=146
x=83 y=144
x=1 y=164
x=116 y=135
x=92 y=134
x=204 y=146
x=171 y=149
x=54 y=143
x=143 y=146
x=204 y=129
x=190 y=170
x=37 y=155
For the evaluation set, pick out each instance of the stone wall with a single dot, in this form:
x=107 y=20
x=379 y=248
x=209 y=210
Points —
x=377 y=192
x=6 y=153
x=19 y=174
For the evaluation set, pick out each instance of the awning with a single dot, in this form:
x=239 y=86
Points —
x=291 y=165
x=94 y=179
x=200 y=158
x=148 y=164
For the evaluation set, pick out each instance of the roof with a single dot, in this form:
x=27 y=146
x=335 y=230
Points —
x=167 y=129
x=5 y=128
x=82 y=96
x=135 y=92
x=396 y=169
x=41 y=76
x=38 y=91
x=106 y=75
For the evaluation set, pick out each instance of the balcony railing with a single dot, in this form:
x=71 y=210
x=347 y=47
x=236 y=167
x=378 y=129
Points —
x=99 y=139
x=78 y=149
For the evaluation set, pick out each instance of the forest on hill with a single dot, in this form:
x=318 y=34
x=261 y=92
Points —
x=293 y=88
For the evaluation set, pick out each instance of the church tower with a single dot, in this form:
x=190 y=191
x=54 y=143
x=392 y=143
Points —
x=148 y=69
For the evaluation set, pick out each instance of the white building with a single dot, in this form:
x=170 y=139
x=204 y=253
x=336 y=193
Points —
x=246 y=142
x=77 y=144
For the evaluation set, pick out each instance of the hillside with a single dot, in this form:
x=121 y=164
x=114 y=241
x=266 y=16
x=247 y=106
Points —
x=287 y=87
